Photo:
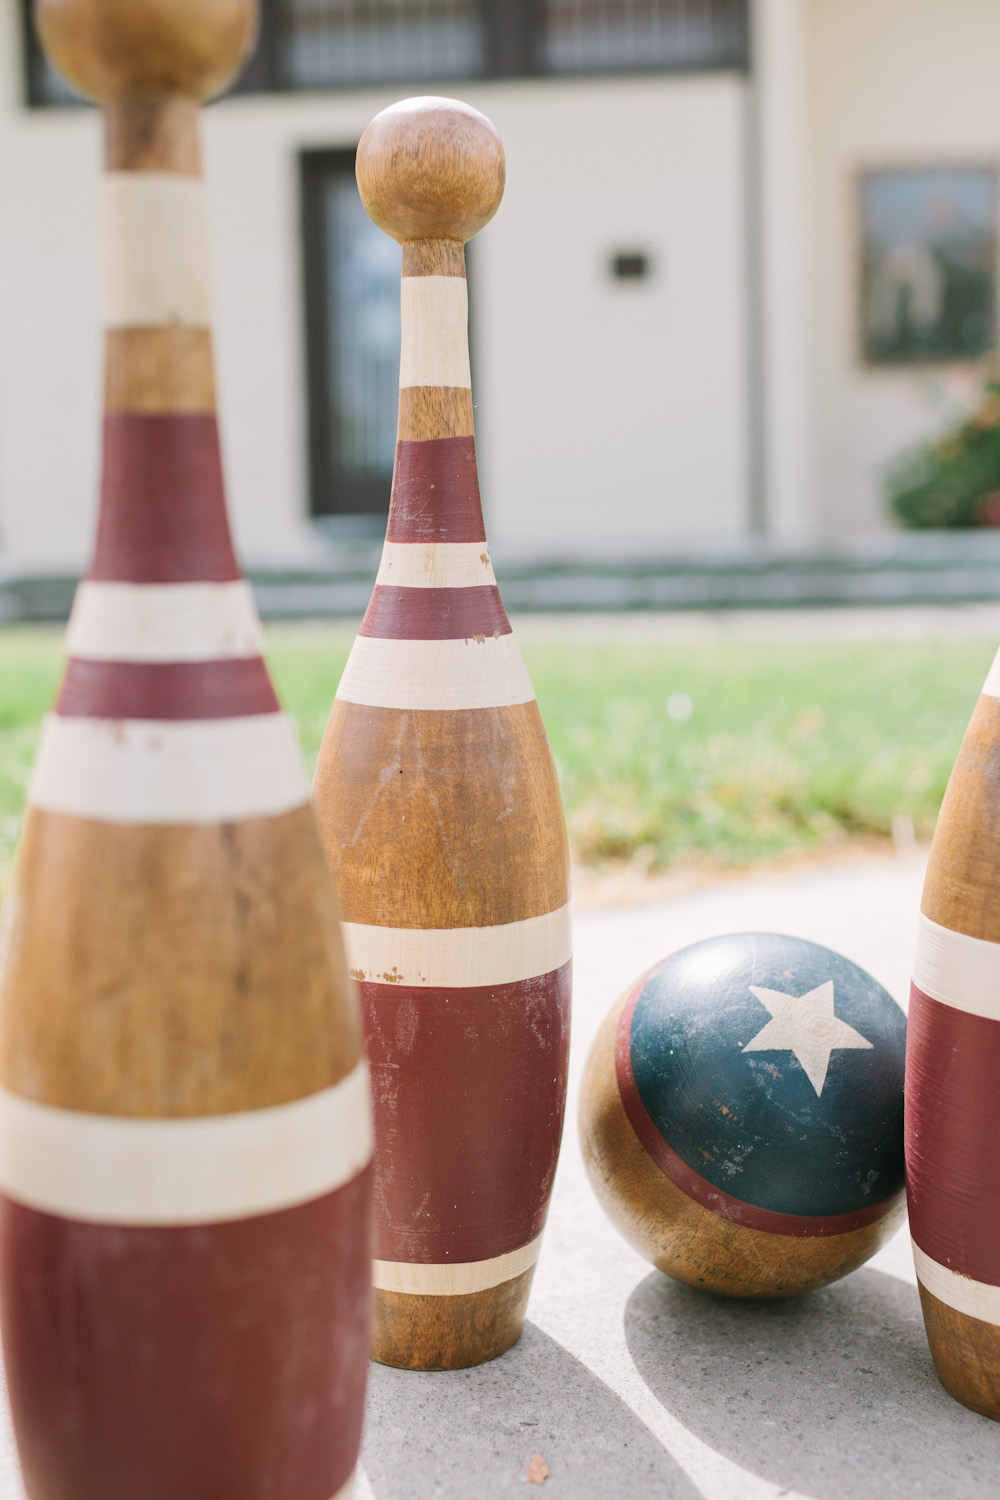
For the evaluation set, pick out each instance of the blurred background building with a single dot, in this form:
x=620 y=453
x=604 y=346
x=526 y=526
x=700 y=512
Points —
x=747 y=255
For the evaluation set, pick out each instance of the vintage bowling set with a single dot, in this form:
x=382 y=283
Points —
x=741 y=1115
x=185 y=1133
x=439 y=807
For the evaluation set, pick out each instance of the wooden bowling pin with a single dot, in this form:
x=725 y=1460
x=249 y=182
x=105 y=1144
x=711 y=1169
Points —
x=185 y=1133
x=952 y=1072
x=439 y=808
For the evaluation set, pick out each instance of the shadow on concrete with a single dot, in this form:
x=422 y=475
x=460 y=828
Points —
x=832 y=1394
x=469 y=1434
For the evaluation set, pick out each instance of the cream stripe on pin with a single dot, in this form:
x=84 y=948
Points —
x=435 y=565
x=108 y=1169
x=974 y=1298
x=456 y=1280
x=459 y=957
x=156 y=268
x=468 y=673
x=169 y=771
x=163 y=622
x=435 y=314
x=958 y=970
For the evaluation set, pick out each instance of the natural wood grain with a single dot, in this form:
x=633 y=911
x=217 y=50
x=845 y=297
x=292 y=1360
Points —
x=159 y=370
x=433 y=258
x=960 y=890
x=434 y=411
x=449 y=1333
x=152 y=135
x=460 y=826
x=431 y=169
x=177 y=970
x=115 y=49
x=966 y=1354
x=680 y=1236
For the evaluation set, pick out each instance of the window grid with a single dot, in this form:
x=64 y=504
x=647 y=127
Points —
x=332 y=44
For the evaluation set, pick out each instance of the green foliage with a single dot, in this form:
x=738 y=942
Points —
x=954 y=481
x=786 y=746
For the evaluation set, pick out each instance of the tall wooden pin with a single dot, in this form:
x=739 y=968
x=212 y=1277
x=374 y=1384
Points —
x=952 y=1072
x=185 y=1131
x=440 y=811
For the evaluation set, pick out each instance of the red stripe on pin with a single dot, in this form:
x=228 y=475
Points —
x=479 y=1105
x=952 y=1129
x=166 y=690
x=214 y=1353
x=163 y=512
x=435 y=492
x=397 y=613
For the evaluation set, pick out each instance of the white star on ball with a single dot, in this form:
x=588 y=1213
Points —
x=807 y=1026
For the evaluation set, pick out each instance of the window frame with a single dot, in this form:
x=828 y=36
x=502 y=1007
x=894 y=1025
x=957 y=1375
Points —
x=513 y=35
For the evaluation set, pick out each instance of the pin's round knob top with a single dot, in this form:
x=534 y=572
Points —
x=431 y=169
x=118 y=49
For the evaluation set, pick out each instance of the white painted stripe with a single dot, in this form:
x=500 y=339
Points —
x=163 y=622
x=977 y=1299
x=112 y=1170
x=992 y=684
x=159 y=771
x=456 y=1280
x=156 y=267
x=470 y=673
x=958 y=970
x=457 y=957
x=435 y=328
x=436 y=565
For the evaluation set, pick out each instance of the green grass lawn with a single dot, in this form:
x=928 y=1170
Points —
x=765 y=749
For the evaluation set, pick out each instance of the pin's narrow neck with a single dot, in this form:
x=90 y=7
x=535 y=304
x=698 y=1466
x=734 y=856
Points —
x=163 y=513
x=435 y=489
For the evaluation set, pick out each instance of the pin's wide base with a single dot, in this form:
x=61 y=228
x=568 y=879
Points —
x=966 y=1355
x=449 y=1333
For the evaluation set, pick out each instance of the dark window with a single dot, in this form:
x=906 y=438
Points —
x=352 y=341
x=329 y=44
x=598 y=36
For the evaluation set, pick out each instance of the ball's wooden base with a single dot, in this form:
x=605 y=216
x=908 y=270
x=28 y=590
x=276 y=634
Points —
x=449 y=1333
x=680 y=1236
x=966 y=1354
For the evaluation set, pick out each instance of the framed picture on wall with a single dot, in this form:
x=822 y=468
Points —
x=928 y=263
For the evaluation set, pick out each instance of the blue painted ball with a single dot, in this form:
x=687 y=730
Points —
x=742 y=1115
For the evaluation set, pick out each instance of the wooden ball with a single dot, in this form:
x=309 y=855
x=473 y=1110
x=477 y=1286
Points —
x=127 y=49
x=431 y=169
x=742 y=1115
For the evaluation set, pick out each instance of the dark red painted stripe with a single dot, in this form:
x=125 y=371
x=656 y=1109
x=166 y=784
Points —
x=469 y=1087
x=692 y=1183
x=163 y=509
x=216 y=1362
x=435 y=492
x=397 y=613
x=166 y=690
x=952 y=1129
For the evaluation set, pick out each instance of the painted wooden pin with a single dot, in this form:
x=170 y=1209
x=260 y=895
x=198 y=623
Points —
x=952 y=1066
x=439 y=807
x=185 y=1132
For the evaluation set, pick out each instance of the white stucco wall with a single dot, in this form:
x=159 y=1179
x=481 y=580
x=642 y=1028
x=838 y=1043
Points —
x=610 y=415
x=897 y=82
